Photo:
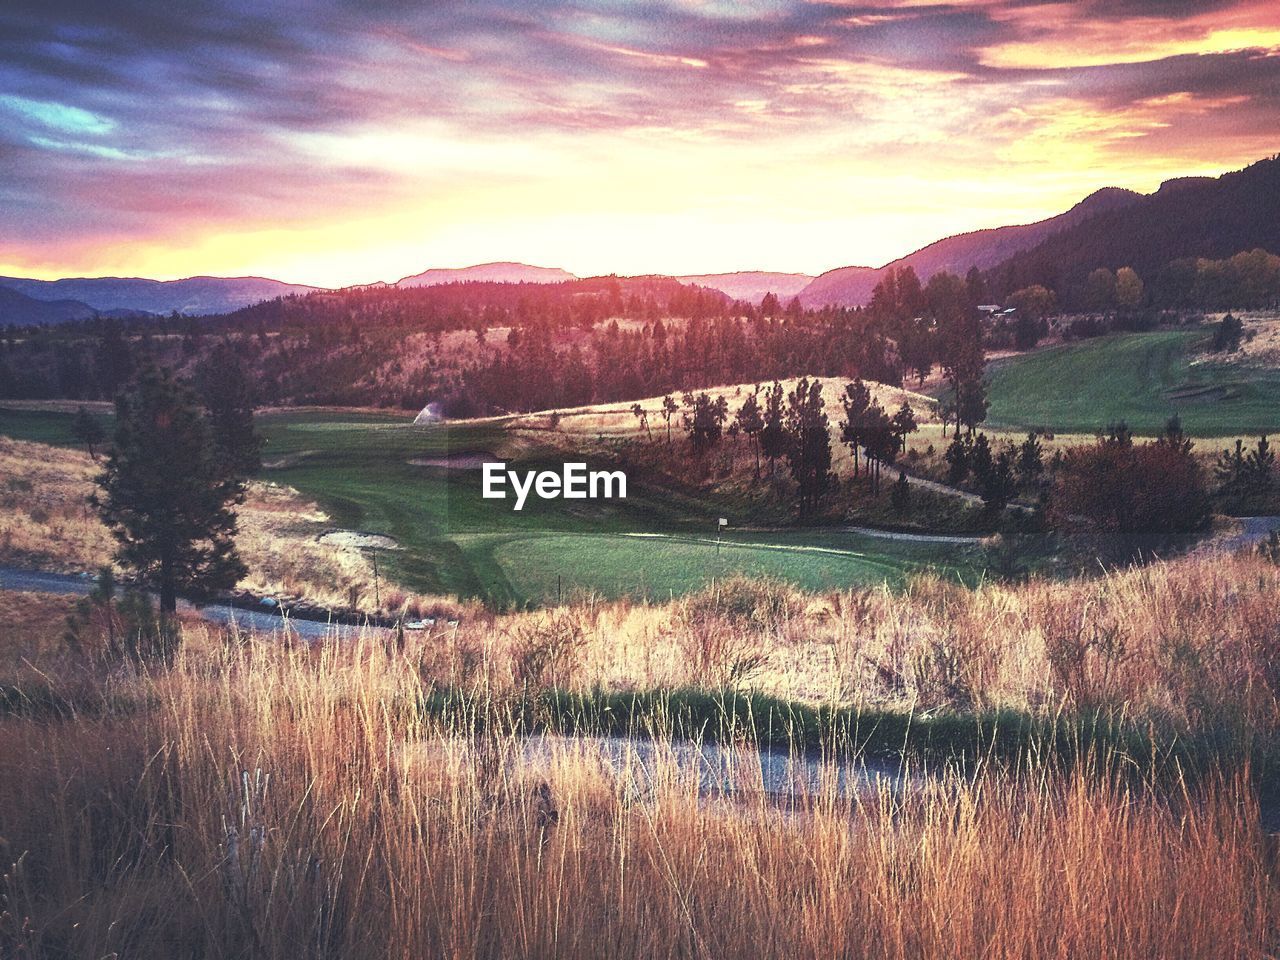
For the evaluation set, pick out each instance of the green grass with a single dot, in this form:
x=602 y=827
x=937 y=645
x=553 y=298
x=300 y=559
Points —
x=357 y=467
x=1141 y=378
x=542 y=566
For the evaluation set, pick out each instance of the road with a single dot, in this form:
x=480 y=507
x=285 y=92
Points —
x=257 y=621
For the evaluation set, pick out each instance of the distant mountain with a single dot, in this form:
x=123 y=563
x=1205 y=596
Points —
x=852 y=286
x=488 y=273
x=194 y=296
x=20 y=310
x=1212 y=217
x=751 y=285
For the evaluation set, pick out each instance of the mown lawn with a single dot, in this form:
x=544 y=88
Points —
x=1141 y=378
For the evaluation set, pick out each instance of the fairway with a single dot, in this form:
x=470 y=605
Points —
x=379 y=473
x=1141 y=378
x=544 y=567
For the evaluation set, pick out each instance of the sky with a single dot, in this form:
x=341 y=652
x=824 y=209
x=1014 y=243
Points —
x=348 y=141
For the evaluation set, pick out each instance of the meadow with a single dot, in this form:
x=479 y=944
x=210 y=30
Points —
x=1140 y=378
x=375 y=799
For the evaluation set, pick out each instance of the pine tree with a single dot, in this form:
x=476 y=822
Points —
x=998 y=484
x=900 y=495
x=904 y=424
x=856 y=401
x=980 y=459
x=228 y=395
x=88 y=430
x=751 y=423
x=1259 y=468
x=166 y=493
x=773 y=435
x=809 y=450
x=957 y=457
x=1030 y=458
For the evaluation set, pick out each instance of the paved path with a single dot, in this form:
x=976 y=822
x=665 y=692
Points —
x=1249 y=532
x=34 y=581
x=904 y=537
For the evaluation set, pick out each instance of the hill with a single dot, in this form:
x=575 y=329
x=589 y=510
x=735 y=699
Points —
x=752 y=285
x=19 y=309
x=194 y=296
x=503 y=272
x=1191 y=217
x=852 y=286
x=1140 y=378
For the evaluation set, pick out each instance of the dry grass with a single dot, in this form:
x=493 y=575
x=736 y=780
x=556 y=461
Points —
x=258 y=800
x=46 y=524
x=265 y=802
x=1182 y=643
x=617 y=419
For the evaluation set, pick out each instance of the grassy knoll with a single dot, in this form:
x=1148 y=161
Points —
x=1141 y=378
x=360 y=467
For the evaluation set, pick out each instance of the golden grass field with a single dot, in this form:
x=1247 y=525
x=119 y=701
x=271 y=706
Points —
x=46 y=523
x=253 y=799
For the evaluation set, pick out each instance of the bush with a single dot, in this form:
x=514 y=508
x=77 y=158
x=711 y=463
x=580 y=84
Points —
x=1115 y=486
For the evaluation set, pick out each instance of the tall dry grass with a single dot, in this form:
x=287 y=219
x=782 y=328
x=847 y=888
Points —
x=253 y=800
x=47 y=524
x=1186 y=643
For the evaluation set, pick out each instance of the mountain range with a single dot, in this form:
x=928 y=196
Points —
x=194 y=296
x=984 y=249
x=752 y=285
x=503 y=272
x=1112 y=227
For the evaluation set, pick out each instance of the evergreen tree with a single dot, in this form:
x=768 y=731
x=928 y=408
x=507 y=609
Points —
x=166 y=493
x=856 y=401
x=998 y=484
x=904 y=424
x=1259 y=468
x=1229 y=469
x=881 y=441
x=900 y=495
x=957 y=457
x=981 y=460
x=809 y=450
x=669 y=409
x=1227 y=335
x=1030 y=458
x=1173 y=435
x=751 y=423
x=228 y=395
x=642 y=415
x=773 y=435
x=88 y=430
x=704 y=420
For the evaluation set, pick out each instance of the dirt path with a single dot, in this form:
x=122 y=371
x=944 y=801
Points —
x=34 y=581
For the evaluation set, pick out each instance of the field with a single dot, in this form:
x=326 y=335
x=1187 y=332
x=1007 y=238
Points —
x=1141 y=378
x=469 y=795
x=359 y=467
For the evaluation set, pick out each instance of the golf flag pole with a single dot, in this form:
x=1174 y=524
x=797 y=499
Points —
x=719 y=529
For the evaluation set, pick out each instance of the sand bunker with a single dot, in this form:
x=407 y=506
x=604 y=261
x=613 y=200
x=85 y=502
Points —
x=361 y=541
x=457 y=461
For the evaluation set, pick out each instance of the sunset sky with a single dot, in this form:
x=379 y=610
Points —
x=342 y=142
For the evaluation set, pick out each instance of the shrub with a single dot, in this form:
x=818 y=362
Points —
x=1119 y=487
